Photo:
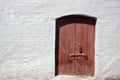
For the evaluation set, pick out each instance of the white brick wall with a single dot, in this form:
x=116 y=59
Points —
x=27 y=36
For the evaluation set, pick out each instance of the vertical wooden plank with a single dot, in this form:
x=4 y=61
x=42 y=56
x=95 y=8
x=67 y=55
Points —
x=91 y=38
x=70 y=46
x=87 y=62
x=84 y=46
x=61 y=61
x=78 y=46
x=66 y=46
x=72 y=63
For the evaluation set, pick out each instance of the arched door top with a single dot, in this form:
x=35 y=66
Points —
x=82 y=19
x=83 y=16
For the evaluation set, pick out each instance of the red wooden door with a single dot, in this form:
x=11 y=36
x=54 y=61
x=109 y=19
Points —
x=75 y=45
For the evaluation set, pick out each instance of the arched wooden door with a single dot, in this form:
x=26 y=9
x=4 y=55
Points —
x=75 y=38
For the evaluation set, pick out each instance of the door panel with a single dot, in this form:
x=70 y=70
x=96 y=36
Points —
x=75 y=45
x=61 y=60
x=82 y=48
x=66 y=46
x=91 y=32
x=78 y=47
x=69 y=36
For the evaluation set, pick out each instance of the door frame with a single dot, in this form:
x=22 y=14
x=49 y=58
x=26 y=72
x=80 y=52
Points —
x=57 y=38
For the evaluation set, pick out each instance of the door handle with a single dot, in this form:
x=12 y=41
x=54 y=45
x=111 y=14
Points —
x=80 y=54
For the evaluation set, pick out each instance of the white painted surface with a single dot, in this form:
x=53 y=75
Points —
x=27 y=36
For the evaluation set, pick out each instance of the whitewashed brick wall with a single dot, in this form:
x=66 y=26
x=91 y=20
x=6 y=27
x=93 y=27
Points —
x=27 y=36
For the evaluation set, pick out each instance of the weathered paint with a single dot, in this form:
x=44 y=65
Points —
x=75 y=45
x=27 y=36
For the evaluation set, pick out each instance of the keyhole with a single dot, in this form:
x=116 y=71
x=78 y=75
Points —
x=80 y=50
